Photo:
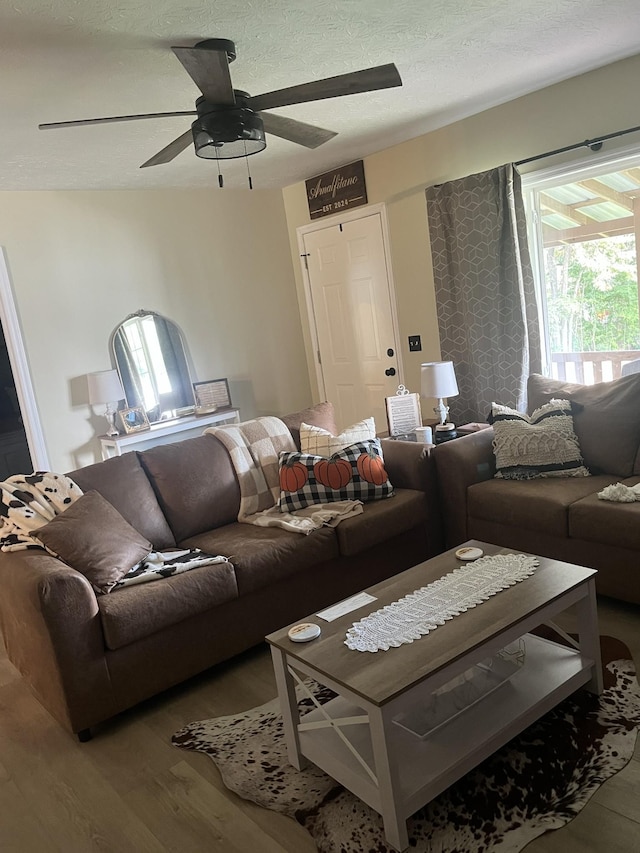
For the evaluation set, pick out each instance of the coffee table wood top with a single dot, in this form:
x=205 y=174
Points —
x=383 y=675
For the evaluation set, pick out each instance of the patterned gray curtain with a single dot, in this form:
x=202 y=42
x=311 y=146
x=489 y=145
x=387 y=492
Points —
x=487 y=312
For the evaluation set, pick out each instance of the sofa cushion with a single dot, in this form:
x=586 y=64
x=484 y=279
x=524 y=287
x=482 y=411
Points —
x=195 y=483
x=94 y=539
x=320 y=415
x=355 y=473
x=606 y=419
x=264 y=555
x=122 y=481
x=381 y=521
x=540 y=445
x=322 y=442
x=135 y=612
x=540 y=505
x=607 y=522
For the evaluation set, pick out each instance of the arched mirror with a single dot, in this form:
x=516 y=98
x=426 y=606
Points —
x=150 y=354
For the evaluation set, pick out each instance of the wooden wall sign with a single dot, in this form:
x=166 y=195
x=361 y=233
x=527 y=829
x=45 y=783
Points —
x=337 y=190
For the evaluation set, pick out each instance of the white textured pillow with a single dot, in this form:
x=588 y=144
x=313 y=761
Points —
x=541 y=445
x=320 y=442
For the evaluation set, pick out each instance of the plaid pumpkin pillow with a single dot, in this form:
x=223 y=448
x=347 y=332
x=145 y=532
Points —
x=355 y=473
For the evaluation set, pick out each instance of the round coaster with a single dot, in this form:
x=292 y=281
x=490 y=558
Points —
x=469 y=553
x=304 y=632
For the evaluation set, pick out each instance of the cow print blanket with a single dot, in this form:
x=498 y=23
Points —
x=165 y=564
x=537 y=782
x=29 y=501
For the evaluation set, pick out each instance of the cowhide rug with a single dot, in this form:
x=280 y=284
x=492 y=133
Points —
x=537 y=782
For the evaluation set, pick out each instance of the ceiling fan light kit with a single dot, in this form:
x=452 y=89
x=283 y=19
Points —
x=225 y=133
x=231 y=123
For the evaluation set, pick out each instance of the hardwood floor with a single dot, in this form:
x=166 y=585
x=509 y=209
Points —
x=129 y=791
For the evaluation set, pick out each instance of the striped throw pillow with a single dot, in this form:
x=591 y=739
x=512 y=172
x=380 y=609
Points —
x=542 y=444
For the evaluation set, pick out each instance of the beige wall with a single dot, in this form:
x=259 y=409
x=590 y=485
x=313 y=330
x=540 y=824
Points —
x=219 y=263
x=215 y=262
x=593 y=104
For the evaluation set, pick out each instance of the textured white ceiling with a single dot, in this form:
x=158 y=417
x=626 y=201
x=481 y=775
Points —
x=73 y=59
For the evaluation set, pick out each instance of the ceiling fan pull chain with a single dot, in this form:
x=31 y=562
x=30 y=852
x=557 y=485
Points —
x=220 y=178
x=246 y=160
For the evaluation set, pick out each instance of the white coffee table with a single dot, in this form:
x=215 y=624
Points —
x=354 y=738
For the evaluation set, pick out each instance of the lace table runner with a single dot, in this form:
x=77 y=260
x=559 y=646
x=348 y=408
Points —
x=422 y=611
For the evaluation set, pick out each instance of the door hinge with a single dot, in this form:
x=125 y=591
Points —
x=341 y=226
x=319 y=358
x=306 y=263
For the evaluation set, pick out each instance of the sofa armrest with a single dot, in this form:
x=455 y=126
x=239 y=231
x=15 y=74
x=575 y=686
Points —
x=409 y=464
x=459 y=464
x=53 y=634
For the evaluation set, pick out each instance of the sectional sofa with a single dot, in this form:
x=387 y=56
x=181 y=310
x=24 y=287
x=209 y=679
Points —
x=88 y=657
x=561 y=517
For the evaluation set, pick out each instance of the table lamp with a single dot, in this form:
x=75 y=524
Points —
x=438 y=379
x=105 y=387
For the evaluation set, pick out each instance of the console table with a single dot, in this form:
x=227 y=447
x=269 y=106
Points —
x=165 y=432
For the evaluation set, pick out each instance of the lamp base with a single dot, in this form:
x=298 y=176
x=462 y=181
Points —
x=441 y=411
x=110 y=415
x=444 y=432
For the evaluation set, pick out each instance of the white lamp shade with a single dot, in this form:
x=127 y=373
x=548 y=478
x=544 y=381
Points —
x=105 y=387
x=438 y=379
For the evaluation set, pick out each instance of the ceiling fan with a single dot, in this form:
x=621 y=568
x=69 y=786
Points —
x=231 y=123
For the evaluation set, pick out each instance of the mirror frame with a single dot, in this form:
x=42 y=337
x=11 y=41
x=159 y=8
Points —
x=184 y=368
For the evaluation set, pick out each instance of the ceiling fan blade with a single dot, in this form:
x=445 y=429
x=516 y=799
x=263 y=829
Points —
x=54 y=124
x=296 y=131
x=209 y=70
x=368 y=80
x=171 y=150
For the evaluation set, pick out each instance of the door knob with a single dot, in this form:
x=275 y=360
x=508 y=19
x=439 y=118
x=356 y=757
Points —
x=390 y=371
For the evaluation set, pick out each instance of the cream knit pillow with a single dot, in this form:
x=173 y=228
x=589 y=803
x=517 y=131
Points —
x=541 y=445
x=320 y=442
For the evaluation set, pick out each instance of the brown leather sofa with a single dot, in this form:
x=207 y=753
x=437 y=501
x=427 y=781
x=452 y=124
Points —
x=559 y=518
x=88 y=657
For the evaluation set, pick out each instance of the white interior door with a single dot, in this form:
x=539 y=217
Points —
x=352 y=309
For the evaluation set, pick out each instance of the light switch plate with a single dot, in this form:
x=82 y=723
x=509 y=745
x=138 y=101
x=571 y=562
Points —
x=415 y=344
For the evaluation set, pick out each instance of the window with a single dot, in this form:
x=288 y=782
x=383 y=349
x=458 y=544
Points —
x=583 y=227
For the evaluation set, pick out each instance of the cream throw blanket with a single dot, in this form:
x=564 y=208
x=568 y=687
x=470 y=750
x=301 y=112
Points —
x=254 y=447
x=620 y=493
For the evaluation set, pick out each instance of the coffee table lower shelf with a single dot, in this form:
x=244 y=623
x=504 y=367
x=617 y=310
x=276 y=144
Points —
x=426 y=766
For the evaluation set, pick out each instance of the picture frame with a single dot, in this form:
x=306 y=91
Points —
x=134 y=419
x=403 y=412
x=211 y=396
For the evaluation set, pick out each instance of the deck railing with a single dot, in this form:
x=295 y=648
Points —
x=590 y=367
